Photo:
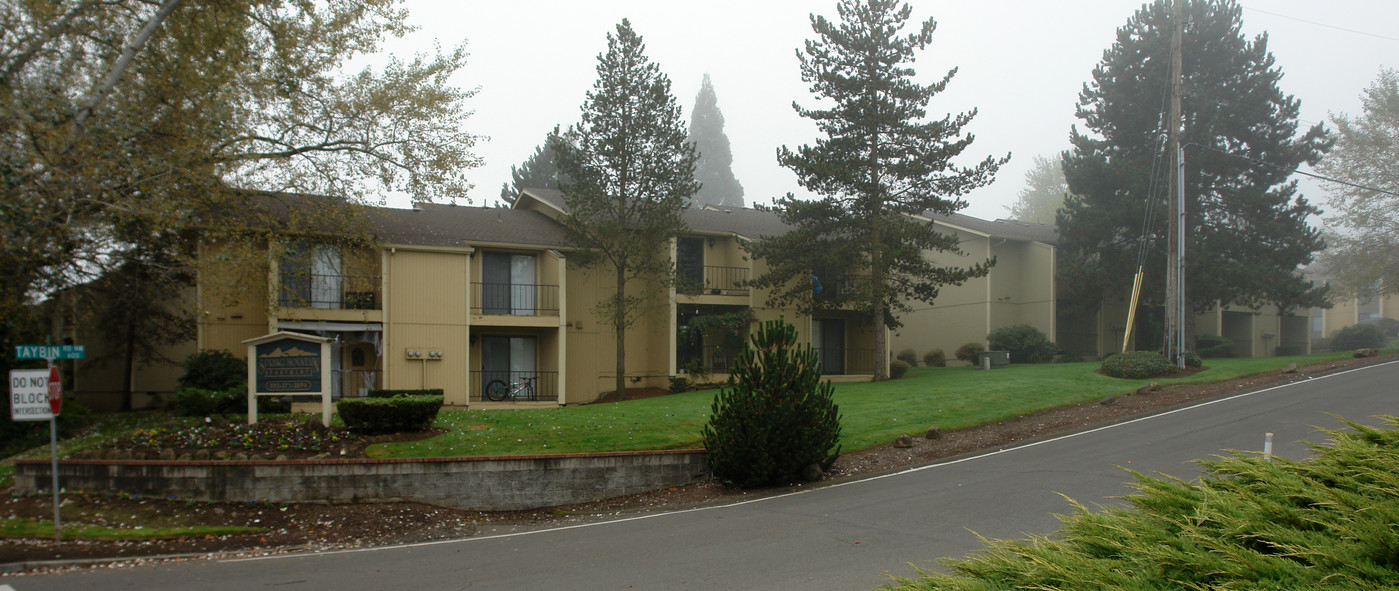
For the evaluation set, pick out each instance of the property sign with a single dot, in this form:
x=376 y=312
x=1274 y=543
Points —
x=29 y=395
x=50 y=351
x=288 y=366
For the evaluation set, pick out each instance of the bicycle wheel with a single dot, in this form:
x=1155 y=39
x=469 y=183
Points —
x=497 y=390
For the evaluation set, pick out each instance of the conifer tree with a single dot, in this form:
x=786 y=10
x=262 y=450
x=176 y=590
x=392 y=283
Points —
x=880 y=162
x=1044 y=192
x=539 y=171
x=715 y=168
x=628 y=170
x=1246 y=226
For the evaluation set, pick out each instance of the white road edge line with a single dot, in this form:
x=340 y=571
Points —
x=802 y=492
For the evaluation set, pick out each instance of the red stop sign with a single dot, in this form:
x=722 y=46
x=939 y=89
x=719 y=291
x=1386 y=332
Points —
x=55 y=390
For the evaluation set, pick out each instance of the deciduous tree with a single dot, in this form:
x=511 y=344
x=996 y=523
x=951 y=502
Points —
x=628 y=170
x=1363 y=252
x=880 y=162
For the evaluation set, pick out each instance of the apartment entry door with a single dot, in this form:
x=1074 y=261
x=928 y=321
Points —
x=828 y=338
x=507 y=359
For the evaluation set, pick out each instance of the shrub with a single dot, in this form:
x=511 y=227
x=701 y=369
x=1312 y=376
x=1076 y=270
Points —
x=897 y=369
x=1388 y=326
x=1287 y=350
x=389 y=415
x=935 y=358
x=200 y=402
x=397 y=393
x=214 y=370
x=679 y=384
x=1025 y=343
x=775 y=417
x=908 y=356
x=1213 y=347
x=969 y=351
x=1137 y=365
x=1070 y=357
x=1358 y=336
x=1193 y=360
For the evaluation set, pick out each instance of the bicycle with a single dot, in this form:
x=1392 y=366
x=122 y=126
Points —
x=498 y=390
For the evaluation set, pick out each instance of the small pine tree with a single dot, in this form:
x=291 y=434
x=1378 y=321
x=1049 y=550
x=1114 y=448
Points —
x=775 y=417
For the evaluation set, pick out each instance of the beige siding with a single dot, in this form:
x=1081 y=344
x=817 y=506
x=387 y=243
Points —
x=426 y=303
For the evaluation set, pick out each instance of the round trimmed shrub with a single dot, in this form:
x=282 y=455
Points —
x=897 y=369
x=1025 y=343
x=775 y=417
x=1137 y=365
x=398 y=414
x=215 y=370
x=969 y=351
x=908 y=356
x=935 y=358
x=1358 y=336
x=1213 y=347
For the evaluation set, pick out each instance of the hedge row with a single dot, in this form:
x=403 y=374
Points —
x=389 y=415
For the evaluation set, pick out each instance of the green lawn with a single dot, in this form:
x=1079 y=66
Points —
x=873 y=413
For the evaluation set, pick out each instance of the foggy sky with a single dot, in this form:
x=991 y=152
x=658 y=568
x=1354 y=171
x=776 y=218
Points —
x=1021 y=64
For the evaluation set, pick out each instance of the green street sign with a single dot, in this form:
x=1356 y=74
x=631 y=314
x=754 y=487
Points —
x=50 y=351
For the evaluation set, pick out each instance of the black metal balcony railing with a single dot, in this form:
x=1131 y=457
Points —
x=712 y=280
x=845 y=361
x=546 y=385
x=330 y=292
x=515 y=299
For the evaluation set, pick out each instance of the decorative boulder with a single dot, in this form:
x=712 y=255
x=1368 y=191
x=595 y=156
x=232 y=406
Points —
x=903 y=441
x=933 y=433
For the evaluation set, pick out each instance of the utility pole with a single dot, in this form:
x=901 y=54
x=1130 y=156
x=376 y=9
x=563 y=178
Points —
x=1175 y=225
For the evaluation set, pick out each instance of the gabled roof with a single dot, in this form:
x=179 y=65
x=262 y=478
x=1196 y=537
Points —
x=1001 y=228
x=754 y=224
x=458 y=226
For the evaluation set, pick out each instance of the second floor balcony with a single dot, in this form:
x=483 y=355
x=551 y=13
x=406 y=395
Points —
x=329 y=291
x=697 y=280
x=514 y=299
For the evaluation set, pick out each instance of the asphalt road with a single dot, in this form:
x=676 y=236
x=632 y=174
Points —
x=850 y=536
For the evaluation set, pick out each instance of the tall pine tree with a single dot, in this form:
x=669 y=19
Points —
x=628 y=170
x=539 y=171
x=715 y=169
x=1246 y=226
x=879 y=163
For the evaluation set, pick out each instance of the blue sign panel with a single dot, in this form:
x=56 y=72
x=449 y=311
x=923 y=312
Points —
x=288 y=366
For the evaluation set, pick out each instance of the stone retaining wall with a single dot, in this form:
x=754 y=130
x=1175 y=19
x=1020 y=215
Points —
x=503 y=483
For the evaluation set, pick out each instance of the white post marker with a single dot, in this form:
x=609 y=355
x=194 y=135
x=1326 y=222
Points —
x=1268 y=446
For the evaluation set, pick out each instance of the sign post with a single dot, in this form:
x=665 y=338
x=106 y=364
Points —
x=36 y=395
x=285 y=363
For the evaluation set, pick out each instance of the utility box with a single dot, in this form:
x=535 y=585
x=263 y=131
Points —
x=993 y=359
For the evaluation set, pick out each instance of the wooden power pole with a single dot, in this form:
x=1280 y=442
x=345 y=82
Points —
x=1175 y=312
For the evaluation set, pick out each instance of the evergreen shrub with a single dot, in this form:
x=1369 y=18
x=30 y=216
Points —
x=969 y=351
x=201 y=402
x=1358 y=336
x=897 y=369
x=1287 y=350
x=1025 y=343
x=406 y=392
x=1213 y=347
x=935 y=358
x=775 y=416
x=389 y=415
x=908 y=356
x=214 y=370
x=1137 y=365
x=679 y=384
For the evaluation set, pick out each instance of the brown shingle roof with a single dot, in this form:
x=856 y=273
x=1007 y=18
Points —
x=451 y=225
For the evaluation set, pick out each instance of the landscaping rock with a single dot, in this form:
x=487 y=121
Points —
x=812 y=473
x=282 y=457
x=167 y=454
x=1149 y=388
x=201 y=454
x=221 y=455
x=1366 y=353
x=933 y=433
x=1291 y=368
x=903 y=441
x=184 y=458
x=240 y=456
x=1108 y=400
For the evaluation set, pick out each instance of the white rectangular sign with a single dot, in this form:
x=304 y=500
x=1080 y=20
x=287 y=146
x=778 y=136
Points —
x=29 y=395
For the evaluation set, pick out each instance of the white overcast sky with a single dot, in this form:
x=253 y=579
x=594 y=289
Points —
x=1021 y=63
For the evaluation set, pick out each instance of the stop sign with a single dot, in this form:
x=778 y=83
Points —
x=55 y=390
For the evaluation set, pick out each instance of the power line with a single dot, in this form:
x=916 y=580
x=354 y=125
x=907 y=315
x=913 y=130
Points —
x=1302 y=20
x=1296 y=171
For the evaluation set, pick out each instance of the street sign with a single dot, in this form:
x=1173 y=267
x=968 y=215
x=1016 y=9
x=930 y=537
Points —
x=55 y=390
x=29 y=395
x=50 y=351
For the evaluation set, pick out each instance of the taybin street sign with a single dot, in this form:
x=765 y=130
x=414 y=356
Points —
x=49 y=351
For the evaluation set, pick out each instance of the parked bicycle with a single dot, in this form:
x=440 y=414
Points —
x=498 y=390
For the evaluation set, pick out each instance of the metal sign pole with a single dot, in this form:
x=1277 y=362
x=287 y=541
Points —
x=53 y=465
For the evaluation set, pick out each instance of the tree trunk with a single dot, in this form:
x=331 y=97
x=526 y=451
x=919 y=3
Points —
x=619 y=322
x=128 y=365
